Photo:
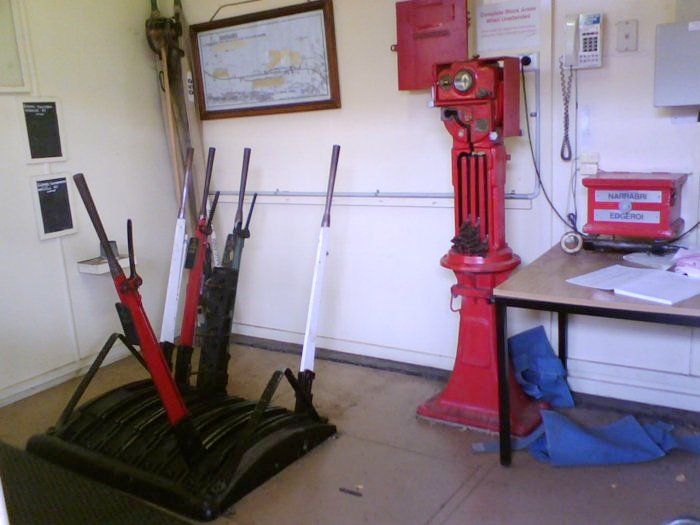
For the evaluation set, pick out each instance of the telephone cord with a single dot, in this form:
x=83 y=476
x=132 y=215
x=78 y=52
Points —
x=565 y=152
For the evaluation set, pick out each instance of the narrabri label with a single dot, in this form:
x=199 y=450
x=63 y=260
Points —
x=627 y=195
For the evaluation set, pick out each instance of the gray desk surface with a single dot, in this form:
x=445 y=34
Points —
x=544 y=279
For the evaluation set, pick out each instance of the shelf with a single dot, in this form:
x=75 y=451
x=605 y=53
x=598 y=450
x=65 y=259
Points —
x=99 y=265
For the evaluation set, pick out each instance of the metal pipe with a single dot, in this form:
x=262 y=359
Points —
x=351 y=194
x=417 y=195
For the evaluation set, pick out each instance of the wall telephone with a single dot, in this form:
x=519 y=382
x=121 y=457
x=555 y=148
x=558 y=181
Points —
x=583 y=49
x=583 y=44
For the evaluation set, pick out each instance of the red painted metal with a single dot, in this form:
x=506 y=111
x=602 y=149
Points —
x=196 y=275
x=646 y=205
x=127 y=289
x=194 y=285
x=470 y=397
x=175 y=407
x=478 y=118
x=429 y=31
x=510 y=87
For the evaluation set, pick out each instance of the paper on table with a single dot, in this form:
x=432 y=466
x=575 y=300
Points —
x=607 y=278
x=660 y=286
x=653 y=285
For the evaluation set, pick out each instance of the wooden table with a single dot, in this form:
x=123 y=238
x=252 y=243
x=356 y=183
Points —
x=541 y=285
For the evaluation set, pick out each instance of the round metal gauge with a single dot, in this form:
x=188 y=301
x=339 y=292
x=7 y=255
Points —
x=445 y=81
x=464 y=80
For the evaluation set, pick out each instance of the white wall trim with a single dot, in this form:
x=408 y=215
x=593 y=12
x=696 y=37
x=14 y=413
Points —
x=402 y=355
x=635 y=384
x=29 y=387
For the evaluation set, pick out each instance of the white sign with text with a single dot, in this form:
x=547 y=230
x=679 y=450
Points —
x=507 y=25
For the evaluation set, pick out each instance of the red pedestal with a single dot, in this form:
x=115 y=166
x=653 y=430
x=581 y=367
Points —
x=480 y=104
x=470 y=398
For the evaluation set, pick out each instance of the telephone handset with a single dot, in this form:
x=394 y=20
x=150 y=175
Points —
x=583 y=41
x=583 y=49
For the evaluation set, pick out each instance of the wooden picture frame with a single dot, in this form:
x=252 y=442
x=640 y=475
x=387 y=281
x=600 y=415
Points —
x=16 y=71
x=276 y=61
x=53 y=205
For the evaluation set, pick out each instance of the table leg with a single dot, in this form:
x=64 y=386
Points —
x=563 y=322
x=503 y=390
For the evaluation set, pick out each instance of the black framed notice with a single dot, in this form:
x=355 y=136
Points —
x=53 y=206
x=41 y=118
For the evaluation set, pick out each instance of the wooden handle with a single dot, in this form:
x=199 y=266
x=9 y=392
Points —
x=186 y=185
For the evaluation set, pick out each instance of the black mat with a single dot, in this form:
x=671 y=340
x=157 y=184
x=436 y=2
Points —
x=38 y=493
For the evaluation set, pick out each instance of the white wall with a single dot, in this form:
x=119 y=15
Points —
x=90 y=56
x=386 y=294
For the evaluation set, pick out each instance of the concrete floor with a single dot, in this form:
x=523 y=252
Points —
x=402 y=470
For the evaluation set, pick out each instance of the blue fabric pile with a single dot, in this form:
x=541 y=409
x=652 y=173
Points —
x=561 y=442
x=564 y=443
x=538 y=371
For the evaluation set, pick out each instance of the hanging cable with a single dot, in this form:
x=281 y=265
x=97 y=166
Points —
x=231 y=5
x=686 y=232
x=567 y=223
x=573 y=178
x=565 y=151
x=566 y=155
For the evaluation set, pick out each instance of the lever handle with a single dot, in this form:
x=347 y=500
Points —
x=114 y=269
x=326 y=220
x=238 y=219
x=207 y=180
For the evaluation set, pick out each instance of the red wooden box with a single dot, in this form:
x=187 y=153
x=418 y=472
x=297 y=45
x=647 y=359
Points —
x=429 y=32
x=634 y=204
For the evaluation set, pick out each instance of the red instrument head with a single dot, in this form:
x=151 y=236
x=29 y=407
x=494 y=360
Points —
x=482 y=97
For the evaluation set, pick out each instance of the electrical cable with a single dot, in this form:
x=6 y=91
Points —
x=570 y=220
x=686 y=232
x=573 y=177
x=230 y=5
x=568 y=223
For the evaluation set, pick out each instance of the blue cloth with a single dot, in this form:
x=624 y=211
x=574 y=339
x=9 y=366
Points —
x=564 y=443
x=538 y=370
x=665 y=435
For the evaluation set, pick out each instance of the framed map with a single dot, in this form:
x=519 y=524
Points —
x=15 y=74
x=275 y=61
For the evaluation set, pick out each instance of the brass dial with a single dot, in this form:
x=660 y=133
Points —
x=445 y=81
